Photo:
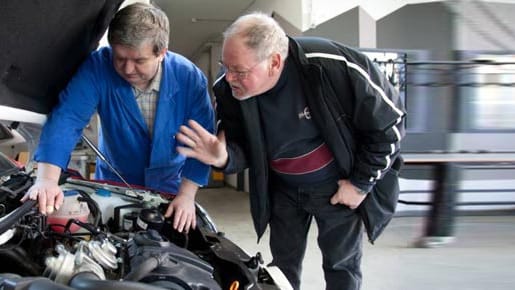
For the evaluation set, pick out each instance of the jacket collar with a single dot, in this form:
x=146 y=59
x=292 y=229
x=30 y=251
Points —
x=297 y=52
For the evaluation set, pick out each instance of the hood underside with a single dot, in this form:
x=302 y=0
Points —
x=42 y=44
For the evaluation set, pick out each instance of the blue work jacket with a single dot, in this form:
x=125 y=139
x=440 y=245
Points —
x=124 y=137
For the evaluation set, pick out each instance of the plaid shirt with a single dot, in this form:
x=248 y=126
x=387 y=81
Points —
x=147 y=100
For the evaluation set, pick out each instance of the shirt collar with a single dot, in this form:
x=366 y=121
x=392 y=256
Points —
x=154 y=84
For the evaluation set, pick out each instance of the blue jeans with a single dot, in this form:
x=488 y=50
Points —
x=340 y=233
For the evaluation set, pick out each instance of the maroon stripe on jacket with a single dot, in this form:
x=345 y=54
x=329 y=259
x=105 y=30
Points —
x=312 y=161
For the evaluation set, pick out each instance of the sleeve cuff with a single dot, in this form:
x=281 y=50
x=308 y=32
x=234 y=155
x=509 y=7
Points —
x=196 y=183
x=362 y=186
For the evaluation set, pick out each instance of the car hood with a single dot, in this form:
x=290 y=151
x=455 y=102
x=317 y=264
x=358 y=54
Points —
x=43 y=43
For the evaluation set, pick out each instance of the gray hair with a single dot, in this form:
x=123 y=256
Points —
x=138 y=24
x=261 y=33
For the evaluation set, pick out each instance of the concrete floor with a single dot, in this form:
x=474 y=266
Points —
x=481 y=257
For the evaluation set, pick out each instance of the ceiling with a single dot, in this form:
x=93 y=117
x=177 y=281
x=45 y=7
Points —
x=195 y=23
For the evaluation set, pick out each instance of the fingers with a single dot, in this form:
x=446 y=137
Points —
x=187 y=137
x=183 y=220
x=31 y=194
x=202 y=133
x=195 y=133
x=190 y=133
x=338 y=197
x=201 y=150
x=193 y=221
x=47 y=202
x=180 y=221
x=169 y=210
x=188 y=152
x=59 y=200
x=25 y=197
x=334 y=199
x=345 y=195
x=42 y=201
x=191 y=149
x=50 y=202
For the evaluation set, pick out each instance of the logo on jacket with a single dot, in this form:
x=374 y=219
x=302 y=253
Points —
x=305 y=114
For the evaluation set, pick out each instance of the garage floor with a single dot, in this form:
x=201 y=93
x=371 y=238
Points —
x=481 y=257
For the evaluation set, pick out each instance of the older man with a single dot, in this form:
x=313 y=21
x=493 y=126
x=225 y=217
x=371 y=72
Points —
x=317 y=124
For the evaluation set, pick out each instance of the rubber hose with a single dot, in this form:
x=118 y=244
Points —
x=90 y=281
x=145 y=267
x=11 y=219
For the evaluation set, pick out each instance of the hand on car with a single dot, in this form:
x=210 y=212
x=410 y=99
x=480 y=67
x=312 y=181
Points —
x=49 y=195
x=182 y=207
x=46 y=190
x=348 y=195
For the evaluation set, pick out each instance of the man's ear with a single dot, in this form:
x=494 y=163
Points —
x=276 y=63
x=161 y=54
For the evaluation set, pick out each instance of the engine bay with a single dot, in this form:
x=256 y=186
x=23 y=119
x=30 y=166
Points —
x=112 y=237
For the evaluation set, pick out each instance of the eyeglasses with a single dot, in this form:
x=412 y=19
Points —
x=239 y=74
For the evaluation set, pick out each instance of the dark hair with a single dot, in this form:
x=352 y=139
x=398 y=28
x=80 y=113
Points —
x=138 y=24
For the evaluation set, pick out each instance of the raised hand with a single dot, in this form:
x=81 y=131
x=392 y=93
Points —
x=202 y=145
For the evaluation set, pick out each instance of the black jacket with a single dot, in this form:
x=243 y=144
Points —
x=359 y=114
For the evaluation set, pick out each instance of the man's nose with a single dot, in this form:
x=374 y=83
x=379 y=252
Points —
x=128 y=67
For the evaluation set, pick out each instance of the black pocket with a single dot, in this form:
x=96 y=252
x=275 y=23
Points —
x=379 y=206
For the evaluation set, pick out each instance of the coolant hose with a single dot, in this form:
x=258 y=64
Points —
x=90 y=281
x=145 y=267
x=12 y=218
x=30 y=283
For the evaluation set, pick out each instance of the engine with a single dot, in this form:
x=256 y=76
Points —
x=127 y=244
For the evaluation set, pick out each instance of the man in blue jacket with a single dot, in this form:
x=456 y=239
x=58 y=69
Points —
x=143 y=93
x=319 y=128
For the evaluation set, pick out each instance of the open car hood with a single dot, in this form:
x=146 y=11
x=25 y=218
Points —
x=43 y=43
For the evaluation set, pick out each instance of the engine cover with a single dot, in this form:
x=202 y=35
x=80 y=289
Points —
x=161 y=263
